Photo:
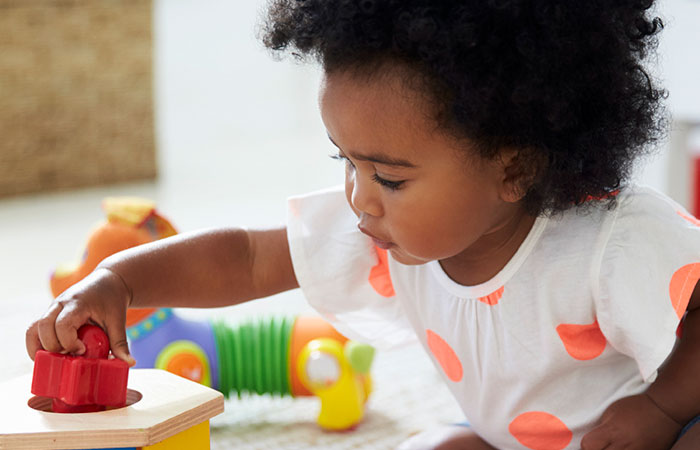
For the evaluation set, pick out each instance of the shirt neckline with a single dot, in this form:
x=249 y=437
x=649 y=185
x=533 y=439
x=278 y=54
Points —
x=498 y=280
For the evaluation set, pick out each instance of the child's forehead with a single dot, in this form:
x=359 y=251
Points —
x=387 y=94
x=379 y=104
x=382 y=116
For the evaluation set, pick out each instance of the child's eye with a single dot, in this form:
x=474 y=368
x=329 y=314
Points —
x=393 y=185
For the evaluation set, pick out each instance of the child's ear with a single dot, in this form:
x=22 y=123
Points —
x=520 y=168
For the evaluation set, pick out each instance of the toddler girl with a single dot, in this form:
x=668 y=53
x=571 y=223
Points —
x=485 y=213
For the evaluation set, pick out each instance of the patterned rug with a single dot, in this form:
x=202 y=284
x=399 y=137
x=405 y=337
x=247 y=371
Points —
x=408 y=397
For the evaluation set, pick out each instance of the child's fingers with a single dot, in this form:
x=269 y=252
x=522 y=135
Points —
x=68 y=320
x=46 y=329
x=32 y=341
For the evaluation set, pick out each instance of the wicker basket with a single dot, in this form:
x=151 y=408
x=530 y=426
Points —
x=76 y=96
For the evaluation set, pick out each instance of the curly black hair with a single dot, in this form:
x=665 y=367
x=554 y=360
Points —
x=562 y=81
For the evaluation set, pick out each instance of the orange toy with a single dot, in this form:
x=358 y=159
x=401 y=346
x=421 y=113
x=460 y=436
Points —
x=130 y=222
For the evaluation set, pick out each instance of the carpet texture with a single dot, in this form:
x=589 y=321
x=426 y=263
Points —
x=408 y=397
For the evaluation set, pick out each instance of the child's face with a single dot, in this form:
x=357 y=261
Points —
x=414 y=189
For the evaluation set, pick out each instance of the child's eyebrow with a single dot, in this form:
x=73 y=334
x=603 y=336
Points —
x=379 y=159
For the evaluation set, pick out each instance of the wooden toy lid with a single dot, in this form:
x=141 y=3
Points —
x=167 y=405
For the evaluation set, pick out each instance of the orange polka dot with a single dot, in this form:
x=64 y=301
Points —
x=689 y=218
x=682 y=286
x=582 y=342
x=493 y=297
x=379 y=276
x=445 y=356
x=540 y=431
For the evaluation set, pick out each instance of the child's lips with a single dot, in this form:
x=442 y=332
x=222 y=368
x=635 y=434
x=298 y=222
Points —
x=377 y=242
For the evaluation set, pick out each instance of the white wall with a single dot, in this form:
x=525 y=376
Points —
x=231 y=119
x=678 y=68
x=680 y=56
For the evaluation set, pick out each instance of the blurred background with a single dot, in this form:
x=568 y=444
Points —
x=178 y=102
x=220 y=134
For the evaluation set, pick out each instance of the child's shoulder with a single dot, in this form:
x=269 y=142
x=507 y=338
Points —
x=639 y=203
x=638 y=213
x=643 y=217
x=630 y=203
x=644 y=194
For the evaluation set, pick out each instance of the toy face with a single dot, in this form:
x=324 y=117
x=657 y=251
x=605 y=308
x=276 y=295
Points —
x=322 y=369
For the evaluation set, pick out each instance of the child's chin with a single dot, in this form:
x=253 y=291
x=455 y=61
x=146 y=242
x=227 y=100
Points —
x=401 y=257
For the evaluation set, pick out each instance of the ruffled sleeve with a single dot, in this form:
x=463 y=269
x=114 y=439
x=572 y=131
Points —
x=340 y=271
x=649 y=265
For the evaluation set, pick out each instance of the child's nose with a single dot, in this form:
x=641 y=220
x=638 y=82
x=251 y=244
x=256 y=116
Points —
x=364 y=197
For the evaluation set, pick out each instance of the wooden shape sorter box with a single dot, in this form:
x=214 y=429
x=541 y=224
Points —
x=163 y=412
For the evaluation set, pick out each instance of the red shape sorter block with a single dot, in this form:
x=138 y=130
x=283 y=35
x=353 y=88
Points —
x=80 y=384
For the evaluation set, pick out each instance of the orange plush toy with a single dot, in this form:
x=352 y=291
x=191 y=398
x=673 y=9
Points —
x=130 y=222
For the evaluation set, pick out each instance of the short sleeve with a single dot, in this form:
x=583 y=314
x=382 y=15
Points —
x=650 y=263
x=334 y=264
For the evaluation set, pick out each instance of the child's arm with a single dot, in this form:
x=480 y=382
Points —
x=654 y=418
x=202 y=269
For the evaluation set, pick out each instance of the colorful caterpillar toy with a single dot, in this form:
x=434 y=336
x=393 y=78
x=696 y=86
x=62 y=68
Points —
x=297 y=356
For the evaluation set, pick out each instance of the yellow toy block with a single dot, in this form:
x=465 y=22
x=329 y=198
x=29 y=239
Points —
x=196 y=437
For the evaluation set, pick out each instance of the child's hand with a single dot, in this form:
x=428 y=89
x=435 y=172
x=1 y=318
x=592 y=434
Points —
x=633 y=422
x=101 y=298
